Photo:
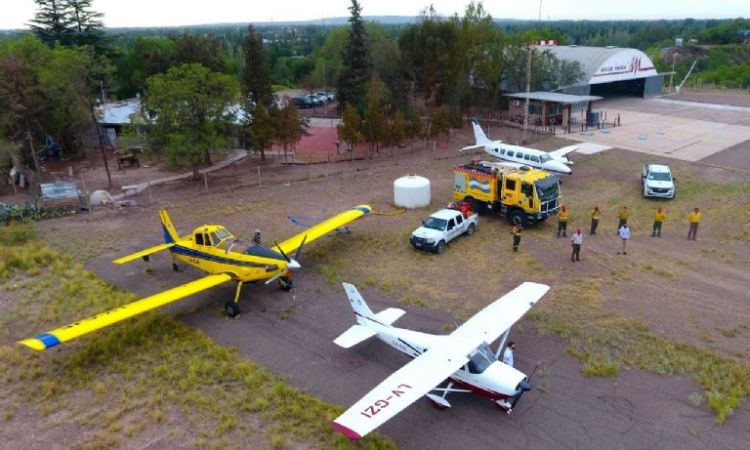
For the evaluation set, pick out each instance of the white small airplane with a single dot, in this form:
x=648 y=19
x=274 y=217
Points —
x=517 y=155
x=463 y=358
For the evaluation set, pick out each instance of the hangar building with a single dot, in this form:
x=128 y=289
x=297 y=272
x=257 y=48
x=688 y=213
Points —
x=611 y=71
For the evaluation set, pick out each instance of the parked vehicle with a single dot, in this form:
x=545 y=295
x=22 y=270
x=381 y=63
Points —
x=444 y=226
x=314 y=99
x=523 y=195
x=302 y=102
x=658 y=181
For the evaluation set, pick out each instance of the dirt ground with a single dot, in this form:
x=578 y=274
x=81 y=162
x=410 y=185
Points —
x=689 y=292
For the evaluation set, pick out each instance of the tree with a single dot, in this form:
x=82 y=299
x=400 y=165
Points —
x=262 y=130
x=86 y=24
x=356 y=62
x=374 y=120
x=74 y=78
x=350 y=128
x=290 y=127
x=189 y=104
x=256 y=78
x=52 y=22
x=396 y=130
x=440 y=122
x=414 y=125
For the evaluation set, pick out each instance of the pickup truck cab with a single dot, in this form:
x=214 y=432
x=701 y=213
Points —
x=442 y=227
x=657 y=181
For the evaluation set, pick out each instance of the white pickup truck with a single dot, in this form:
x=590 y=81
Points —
x=442 y=227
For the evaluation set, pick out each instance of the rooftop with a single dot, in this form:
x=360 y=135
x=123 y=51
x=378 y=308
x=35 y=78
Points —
x=555 y=97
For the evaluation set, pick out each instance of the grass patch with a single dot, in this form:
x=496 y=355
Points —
x=148 y=367
x=576 y=312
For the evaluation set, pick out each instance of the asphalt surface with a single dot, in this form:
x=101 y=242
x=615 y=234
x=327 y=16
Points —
x=564 y=410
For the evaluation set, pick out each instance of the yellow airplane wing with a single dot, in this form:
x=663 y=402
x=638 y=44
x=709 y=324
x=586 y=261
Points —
x=142 y=253
x=324 y=227
x=101 y=320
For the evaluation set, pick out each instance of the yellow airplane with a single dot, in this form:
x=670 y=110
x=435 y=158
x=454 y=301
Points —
x=213 y=249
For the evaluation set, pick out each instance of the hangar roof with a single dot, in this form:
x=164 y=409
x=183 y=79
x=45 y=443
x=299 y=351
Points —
x=606 y=64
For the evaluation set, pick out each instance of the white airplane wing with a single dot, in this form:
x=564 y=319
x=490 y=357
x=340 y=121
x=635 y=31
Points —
x=561 y=152
x=492 y=321
x=404 y=387
x=473 y=147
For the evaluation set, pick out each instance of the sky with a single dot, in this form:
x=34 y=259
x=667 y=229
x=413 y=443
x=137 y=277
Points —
x=145 y=13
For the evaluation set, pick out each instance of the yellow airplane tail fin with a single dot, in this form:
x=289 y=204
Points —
x=170 y=233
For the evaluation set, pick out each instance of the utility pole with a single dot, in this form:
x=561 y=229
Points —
x=528 y=94
x=37 y=173
x=528 y=78
x=671 y=75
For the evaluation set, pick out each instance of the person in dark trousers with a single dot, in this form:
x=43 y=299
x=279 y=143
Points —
x=694 y=218
x=624 y=233
x=596 y=214
x=576 y=241
x=562 y=221
x=623 y=216
x=517 y=231
x=659 y=217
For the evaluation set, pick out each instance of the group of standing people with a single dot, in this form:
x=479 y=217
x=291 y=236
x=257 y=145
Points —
x=623 y=231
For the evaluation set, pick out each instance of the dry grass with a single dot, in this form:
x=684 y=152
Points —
x=148 y=367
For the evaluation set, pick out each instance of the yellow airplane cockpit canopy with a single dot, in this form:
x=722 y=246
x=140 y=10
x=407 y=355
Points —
x=213 y=235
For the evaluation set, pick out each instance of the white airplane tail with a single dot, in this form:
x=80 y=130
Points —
x=479 y=136
x=366 y=319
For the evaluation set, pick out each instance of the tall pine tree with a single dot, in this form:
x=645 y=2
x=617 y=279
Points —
x=355 y=73
x=52 y=22
x=86 y=24
x=256 y=78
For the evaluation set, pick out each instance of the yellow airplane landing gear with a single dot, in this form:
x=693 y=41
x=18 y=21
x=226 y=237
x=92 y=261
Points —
x=232 y=307
x=286 y=283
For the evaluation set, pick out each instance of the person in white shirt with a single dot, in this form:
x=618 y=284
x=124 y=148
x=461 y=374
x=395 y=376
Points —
x=624 y=237
x=576 y=242
x=508 y=353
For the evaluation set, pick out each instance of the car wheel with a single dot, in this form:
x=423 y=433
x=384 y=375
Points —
x=517 y=218
x=470 y=230
x=440 y=247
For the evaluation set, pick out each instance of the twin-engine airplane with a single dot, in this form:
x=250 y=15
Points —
x=554 y=161
x=463 y=357
x=213 y=249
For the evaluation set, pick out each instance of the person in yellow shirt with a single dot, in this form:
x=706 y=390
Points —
x=596 y=214
x=623 y=215
x=659 y=217
x=517 y=231
x=694 y=218
x=562 y=221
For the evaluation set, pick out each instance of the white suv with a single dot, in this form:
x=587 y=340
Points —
x=658 y=181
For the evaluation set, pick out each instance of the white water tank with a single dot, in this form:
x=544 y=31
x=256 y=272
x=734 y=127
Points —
x=411 y=191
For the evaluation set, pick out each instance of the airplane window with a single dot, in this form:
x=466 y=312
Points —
x=223 y=233
x=545 y=158
x=519 y=155
x=527 y=157
x=206 y=240
x=502 y=152
x=199 y=239
x=480 y=359
x=215 y=238
x=510 y=153
x=534 y=158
